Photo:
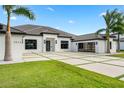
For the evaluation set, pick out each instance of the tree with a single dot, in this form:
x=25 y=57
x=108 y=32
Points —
x=110 y=21
x=13 y=10
x=119 y=28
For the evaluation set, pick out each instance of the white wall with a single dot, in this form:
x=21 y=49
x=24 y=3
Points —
x=58 y=45
x=114 y=46
x=74 y=46
x=39 y=43
x=49 y=36
x=58 y=48
x=2 y=46
x=101 y=46
x=121 y=45
x=17 y=46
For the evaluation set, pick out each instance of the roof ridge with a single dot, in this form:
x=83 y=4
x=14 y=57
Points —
x=47 y=27
x=12 y=27
x=33 y=29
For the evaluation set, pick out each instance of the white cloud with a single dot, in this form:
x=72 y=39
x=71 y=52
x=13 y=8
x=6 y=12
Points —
x=71 y=21
x=50 y=9
x=13 y=18
x=103 y=13
x=57 y=27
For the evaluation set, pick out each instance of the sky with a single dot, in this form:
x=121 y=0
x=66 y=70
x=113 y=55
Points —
x=75 y=19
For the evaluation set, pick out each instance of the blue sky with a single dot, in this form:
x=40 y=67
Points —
x=70 y=18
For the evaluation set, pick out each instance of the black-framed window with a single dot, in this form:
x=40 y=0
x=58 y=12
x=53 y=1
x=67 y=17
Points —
x=30 y=44
x=80 y=45
x=110 y=45
x=64 y=44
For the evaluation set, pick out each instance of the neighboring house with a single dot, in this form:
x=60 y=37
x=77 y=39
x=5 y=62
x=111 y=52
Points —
x=35 y=38
x=121 y=41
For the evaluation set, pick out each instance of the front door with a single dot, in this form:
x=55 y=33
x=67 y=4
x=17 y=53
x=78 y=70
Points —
x=47 y=45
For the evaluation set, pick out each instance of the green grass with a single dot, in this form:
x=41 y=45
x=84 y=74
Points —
x=52 y=74
x=118 y=55
x=121 y=50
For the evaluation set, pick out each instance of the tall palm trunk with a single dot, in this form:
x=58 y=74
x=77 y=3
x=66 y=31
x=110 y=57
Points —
x=8 y=55
x=108 y=42
x=118 y=42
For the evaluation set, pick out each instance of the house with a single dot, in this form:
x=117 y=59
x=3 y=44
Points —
x=34 y=38
x=121 y=41
x=94 y=43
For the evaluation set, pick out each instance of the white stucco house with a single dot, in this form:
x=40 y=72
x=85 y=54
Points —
x=34 y=38
x=121 y=41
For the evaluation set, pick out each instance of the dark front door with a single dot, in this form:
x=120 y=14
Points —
x=47 y=45
x=80 y=47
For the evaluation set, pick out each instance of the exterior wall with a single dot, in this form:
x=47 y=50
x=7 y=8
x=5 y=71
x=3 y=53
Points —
x=121 y=36
x=2 y=46
x=102 y=46
x=121 y=45
x=39 y=44
x=53 y=39
x=114 y=46
x=74 y=46
x=17 y=46
x=99 y=45
x=58 y=48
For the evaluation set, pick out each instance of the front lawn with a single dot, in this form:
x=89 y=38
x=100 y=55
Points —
x=118 y=55
x=52 y=74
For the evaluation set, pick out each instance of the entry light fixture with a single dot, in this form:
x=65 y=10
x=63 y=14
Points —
x=44 y=41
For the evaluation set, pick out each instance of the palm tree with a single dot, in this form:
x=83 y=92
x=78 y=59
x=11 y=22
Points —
x=13 y=10
x=119 y=28
x=110 y=21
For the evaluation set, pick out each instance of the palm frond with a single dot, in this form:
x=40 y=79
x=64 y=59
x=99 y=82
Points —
x=100 y=30
x=24 y=12
x=8 y=7
x=118 y=29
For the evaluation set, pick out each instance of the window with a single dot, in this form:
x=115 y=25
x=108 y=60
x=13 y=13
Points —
x=30 y=44
x=1 y=26
x=110 y=45
x=80 y=46
x=64 y=44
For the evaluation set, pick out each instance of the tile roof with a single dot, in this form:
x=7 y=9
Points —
x=38 y=30
x=13 y=30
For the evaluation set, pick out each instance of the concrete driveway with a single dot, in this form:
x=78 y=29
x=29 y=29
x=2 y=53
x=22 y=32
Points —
x=110 y=66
